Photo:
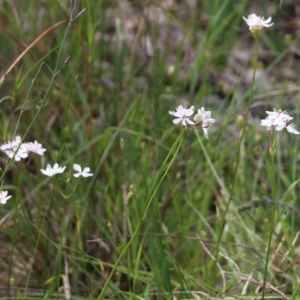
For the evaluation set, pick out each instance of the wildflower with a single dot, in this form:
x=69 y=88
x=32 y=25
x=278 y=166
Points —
x=35 y=147
x=290 y=128
x=256 y=24
x=52 y=171
x=205 y=127
x=84 y=172
x=11 y=144
x=17 y=155
x=18 y=150
x=183 y=114
x=204 y=117
x=279 y=120
x=4 y=197
x=14 y=149
x=280 y=114
x=274 y=119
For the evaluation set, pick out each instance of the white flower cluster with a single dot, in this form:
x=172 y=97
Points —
x=56 y=169
x=4 y=197
x=183 y=115
x=51 y=171
x=279 y=120
x=17 y=150
x=257 y=23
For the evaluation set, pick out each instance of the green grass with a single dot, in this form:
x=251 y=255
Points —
x=167 y=213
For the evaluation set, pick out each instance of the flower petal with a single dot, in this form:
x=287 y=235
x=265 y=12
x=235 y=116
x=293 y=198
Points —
x=77 y=167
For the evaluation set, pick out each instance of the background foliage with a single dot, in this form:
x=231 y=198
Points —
x=97 y=91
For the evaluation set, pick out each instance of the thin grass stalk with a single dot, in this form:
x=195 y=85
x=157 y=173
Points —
x=274 y=192
x=62 y=241
x=238 y=153
x=156 y=184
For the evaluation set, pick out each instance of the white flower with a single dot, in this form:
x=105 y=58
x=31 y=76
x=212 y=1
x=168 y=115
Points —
x=17 y=155
x=11 y=144
x=4 y=197
x=279 y=120
x=35 y=147
x=276 y=119
x=257 y=23
x=290 y=128
x=183 y=114
x=205 y=128
x=280 y=114
x=52 y=171
x=271 y=121
x=17 y=150
x=84 y=173
x=14 y=149
x=204 y=116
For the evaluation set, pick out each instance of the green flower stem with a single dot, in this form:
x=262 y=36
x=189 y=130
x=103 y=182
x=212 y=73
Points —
x=74 y=189
x=221 y=228
x=55 y=182
x=274 y=196
x=62 y=244
x=156 y=184
x=63 y=226
x=295 y=169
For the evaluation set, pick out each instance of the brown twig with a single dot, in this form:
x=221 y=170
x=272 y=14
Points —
x=29 y=47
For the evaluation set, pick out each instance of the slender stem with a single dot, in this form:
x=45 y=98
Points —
x=62 y=242
x=274 y=196
x=156 y=184
x=238 y=153
x=295 y=167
